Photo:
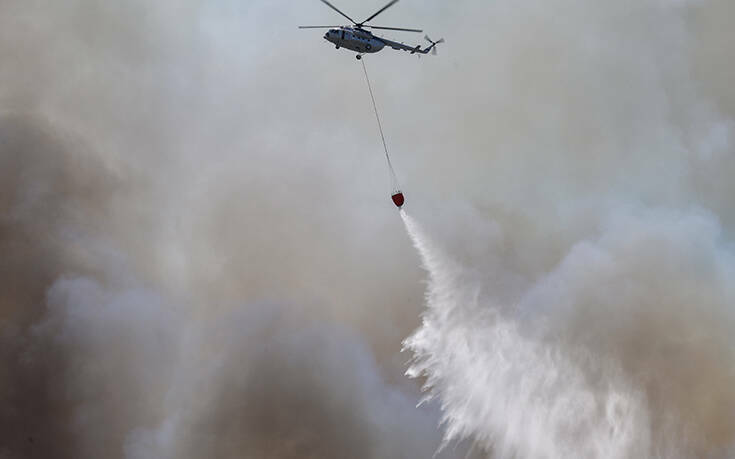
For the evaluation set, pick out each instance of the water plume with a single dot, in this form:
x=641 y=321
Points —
x=616 y=352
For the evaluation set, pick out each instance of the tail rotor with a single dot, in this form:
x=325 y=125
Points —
x=433 y=44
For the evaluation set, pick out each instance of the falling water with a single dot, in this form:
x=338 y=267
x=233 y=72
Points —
x=528 y=391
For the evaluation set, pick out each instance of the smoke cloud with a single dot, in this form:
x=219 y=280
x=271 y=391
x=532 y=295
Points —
x=199 y=257
x=175 y=283
x=102 y=359
x=592 y=316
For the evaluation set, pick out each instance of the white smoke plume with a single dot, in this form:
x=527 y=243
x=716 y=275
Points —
x=198 y=257
x=101 y=357
x=582 y=304
x=176 y=280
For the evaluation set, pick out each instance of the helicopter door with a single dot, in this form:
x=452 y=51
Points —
x=343 y=35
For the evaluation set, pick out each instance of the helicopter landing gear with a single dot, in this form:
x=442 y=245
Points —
x=336 y=47
x=358 y=57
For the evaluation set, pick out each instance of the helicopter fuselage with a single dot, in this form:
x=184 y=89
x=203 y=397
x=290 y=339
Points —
x=358 y=40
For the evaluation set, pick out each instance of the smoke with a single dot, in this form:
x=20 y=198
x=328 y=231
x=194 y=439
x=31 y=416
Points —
x=592 y=316
x=199 y=257
x=102 y=359
x=176 y=278
x=252 y=382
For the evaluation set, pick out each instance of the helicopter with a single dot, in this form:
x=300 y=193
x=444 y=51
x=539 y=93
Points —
x=356 y=38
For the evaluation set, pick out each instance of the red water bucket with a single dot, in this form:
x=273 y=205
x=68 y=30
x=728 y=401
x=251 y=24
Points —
x=398 y=199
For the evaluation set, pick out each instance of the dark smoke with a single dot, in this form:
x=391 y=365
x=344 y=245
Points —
x=100 y=361
x=51 y=190
x=145 y=213
x=199 y=257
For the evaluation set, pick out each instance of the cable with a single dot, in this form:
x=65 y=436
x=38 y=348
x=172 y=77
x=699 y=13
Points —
x=393 y=176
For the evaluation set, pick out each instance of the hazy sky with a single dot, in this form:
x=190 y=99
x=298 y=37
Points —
x=199 y=257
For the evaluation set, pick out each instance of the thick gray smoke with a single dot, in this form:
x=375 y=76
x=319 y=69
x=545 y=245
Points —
x=179 y=278
x=102 y=359
x=199 y=258
x=588 y=312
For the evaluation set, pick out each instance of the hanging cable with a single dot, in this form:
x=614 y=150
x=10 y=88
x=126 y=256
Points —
x=393 y=177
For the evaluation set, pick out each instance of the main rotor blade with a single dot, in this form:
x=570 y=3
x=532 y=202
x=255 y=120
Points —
x=393 y=28
x=393 y=2
x=318 y=27
x=337 y=10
